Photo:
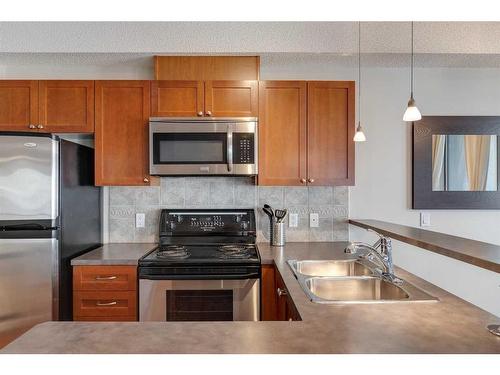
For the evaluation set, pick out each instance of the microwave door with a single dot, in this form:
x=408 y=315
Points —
x=203 y=148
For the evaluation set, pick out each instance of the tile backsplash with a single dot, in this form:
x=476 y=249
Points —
x=331 y=203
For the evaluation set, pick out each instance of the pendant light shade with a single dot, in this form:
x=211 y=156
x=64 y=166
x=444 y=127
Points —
x=359 y=136
x=412 y=113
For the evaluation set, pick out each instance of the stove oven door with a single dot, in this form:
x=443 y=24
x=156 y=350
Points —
x=199 y=300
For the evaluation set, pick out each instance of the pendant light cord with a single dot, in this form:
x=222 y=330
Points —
x=412 y=59
x=359 y=72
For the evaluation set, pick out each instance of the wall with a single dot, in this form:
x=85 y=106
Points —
x=228 y=192
x=383 y=172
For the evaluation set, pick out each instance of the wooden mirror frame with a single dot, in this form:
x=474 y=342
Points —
x=423 y=195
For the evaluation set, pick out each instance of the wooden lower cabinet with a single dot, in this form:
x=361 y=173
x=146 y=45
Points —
x=105 y=293
x=276 y=304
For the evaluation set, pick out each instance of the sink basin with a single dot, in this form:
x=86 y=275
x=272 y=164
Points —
x=337 y=268
x=355 y=289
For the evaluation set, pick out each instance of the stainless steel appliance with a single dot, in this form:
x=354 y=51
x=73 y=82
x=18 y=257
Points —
x=206 y=268
x=203 y=146
x=49 y=213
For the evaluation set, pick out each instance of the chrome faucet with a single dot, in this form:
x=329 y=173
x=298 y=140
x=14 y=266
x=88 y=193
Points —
x=384 y=255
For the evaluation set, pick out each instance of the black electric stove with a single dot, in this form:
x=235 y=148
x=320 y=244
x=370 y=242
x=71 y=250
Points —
x=204 y=244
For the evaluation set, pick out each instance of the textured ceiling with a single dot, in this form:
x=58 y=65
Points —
x=248 y=37
x=144 y=61
x=385 y=44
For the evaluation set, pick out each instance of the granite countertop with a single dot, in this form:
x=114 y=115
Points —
x=448 y=326
x=114 y=254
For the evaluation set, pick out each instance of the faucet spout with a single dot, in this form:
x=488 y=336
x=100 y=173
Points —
x=371 y=252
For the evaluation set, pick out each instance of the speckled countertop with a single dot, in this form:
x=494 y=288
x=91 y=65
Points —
x=114 y=254
x=449 y=326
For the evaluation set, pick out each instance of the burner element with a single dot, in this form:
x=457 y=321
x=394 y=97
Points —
x=234 y=252
x=173 y=252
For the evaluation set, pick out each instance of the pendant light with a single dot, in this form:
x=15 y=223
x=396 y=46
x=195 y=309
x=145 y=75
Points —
x=359 y=136
x=412 y=113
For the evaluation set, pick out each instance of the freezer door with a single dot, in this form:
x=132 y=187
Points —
x=28 y=177
x=26 y=284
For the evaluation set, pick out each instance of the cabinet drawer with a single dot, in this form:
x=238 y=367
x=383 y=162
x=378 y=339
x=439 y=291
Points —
x=104 y=304
x=105 y=278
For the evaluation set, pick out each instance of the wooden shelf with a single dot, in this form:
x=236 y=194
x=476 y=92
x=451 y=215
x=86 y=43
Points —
x=477 y=253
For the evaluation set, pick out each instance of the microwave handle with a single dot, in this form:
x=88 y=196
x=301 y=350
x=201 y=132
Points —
x=229 y=149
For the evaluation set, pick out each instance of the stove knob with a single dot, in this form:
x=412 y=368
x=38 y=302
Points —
x=172 y=225
x=244 y=225
x=179 y=218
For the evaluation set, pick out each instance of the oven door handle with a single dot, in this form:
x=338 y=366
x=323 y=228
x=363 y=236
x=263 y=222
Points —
x=229 y=150
x=251 y=275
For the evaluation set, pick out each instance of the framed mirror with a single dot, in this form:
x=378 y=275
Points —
x=455 y=162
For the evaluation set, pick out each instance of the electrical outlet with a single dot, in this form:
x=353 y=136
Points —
x=314 y=220
x=425 y=219
x=293 y=220
x=140 y=220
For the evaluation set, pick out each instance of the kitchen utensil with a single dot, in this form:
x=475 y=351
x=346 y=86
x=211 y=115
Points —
x=268 y=213
x=269 y=208
x=280 y=215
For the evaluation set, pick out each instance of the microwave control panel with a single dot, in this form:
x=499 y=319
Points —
x=243 y=148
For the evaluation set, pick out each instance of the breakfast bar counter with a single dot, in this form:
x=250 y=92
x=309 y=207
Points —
x=450 y=325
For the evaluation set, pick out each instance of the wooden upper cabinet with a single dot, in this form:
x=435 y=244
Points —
x=121 y=132
x=66 y=106
x=177 y=98
x=18 y=105
x=330 y=123
x=205 y=68
x=231 y=98
x=282 y=133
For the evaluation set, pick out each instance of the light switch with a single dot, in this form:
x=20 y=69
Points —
x=425 y=219
x=293 y=220
x=314 y=220
x=140 y=220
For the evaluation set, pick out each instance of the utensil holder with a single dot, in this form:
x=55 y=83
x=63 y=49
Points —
x=278 y=234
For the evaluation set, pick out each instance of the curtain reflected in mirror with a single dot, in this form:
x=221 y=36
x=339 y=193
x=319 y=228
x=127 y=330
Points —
x=464 y=162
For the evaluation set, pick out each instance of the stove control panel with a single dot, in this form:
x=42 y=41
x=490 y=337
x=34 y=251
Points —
x=199 y=222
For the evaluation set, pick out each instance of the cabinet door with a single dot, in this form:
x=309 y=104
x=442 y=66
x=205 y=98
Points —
x=268 y=293
x=18 y=105
x=121 y=132
x=282 y=298
x=330 y=126
x=177 y=98
x=282 y=133
x=231 y=98
x=67 y=106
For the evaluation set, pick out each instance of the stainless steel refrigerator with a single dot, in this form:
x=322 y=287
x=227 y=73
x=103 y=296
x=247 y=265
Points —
x=50 y=212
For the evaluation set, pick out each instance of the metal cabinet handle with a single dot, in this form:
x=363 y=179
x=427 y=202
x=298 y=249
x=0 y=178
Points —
x=208 y=113
x=229 y=150
x=39 y=126
x=146 y=179
x=106 y=303
x=282 y=292
x=310 y=180
x=200 y=113
x=302 y=180
x=106 y=277
x=32 y=126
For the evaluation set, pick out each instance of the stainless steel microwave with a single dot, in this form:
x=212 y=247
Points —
x=203 y=146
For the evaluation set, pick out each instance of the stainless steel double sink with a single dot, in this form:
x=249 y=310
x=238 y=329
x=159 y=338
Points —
x=351 y=281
